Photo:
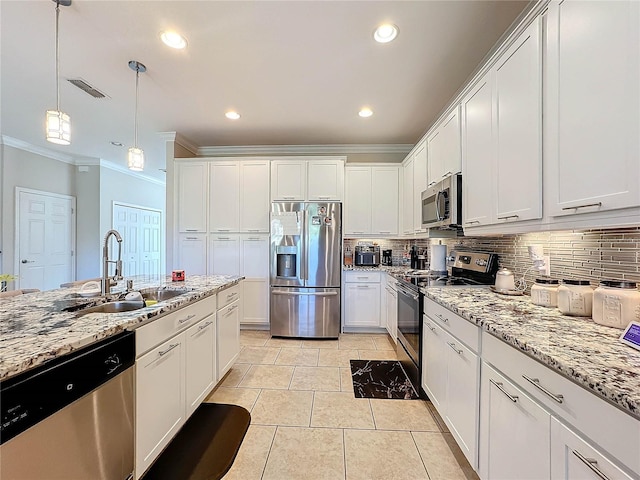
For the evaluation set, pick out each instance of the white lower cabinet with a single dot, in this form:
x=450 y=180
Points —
x=228 y=336
x=200 y=366
x=572 y=458
x=515 y=431
x=392 y=308
x=361 y=292
x=160 y=399
x=434 y=364
x=192 y=254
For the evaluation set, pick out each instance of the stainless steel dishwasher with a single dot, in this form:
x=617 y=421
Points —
x=71 y=418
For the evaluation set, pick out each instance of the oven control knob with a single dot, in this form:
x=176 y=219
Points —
x=481 y=262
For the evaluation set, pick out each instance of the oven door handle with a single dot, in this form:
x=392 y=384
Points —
x=407 y=293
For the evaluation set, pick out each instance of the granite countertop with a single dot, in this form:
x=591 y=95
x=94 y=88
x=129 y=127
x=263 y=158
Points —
x=393 y=270
x=34 y=327
x=581 y=350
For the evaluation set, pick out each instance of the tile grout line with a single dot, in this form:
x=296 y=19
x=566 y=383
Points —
x=344 y=453
x=273 y=440
x=313 y=399
x=420 y=455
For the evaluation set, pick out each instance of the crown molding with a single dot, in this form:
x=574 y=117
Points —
x=42 y=151
x=180 y=140
x=121 y=169
x=303 y=149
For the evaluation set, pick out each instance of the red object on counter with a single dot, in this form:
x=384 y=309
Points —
x=177 y=276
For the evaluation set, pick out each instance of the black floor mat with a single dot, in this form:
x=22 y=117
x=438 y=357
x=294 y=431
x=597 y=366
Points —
x=381 y=379
x=205 y=447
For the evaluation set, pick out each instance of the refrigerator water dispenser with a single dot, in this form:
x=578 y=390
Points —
x=286 y=262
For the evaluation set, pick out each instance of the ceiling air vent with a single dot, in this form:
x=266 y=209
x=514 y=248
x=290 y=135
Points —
x=85 y=87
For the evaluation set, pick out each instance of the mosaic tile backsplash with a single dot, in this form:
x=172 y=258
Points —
x=592 y=255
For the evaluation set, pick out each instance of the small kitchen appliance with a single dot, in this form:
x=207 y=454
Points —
x=367 y=255
x=387 y=257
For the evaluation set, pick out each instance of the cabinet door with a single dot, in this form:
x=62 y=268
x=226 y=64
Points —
x=392 y=314
x=254 y=256
x=419 y=184
x=325 y=180
x=192 y=196
x=192 y=254
x=224 y=255
x=593 y=114
x=224 y=197
x=228 y=337
x=451 y=161
x=477 y=151
x=288 y=180
x=407 y=197
x=434 y=364
x=255 y=288
x=515 y=432
x=385 y=188
x=160 y=400
x=462 y=397
x=518 y=128
x=572 y=458
x=200 y=362
x=255 y=301
x=362 y=304
x=254 y=196
x=357 y=204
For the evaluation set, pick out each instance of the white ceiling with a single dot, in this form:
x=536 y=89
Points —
x=297 y=72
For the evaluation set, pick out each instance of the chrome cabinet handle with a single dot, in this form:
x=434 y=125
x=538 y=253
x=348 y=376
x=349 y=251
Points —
x=430 y=327
x=453 y=345
x=444 y=319
x=230 y=311
x=324 y=197
x=472 y=222
x=191 y=238
x=231 y=295
x=536 y=383
x=202 y=327
x=191 y=229
x=188 y=317
x=513 y=398
x=362 y=286
x=597 y=204
x=431 y=184
x=362 y=278
x=171 y=347
x=223 y=230
x=253 y=230
x=359 y=232
x=591 y=463
x=507 y=217
x=223 y=238
x=448 y=173
x=288 y=198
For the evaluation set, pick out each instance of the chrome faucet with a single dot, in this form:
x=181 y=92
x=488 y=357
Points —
x=108 y=282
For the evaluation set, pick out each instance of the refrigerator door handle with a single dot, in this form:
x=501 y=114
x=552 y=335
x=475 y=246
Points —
x=304 y=248
x=299 y=294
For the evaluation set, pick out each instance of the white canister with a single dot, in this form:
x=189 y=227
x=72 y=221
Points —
x=545 y=292
x=615 y=303
x=575 y=297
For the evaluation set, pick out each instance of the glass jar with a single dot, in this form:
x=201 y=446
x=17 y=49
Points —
x=616 y=303
x=545 y=292
x=575 y=297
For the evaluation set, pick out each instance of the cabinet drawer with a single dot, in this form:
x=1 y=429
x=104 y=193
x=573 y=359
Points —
x=464 y=330
x=362 y=277
x=156 y=332
x=228 y=295
x=606 y=425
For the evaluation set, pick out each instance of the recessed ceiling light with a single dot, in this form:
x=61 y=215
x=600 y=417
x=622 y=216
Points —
x=365 y=112
x=385 y=33
x=117 y=144
x=231 y=115
x=173 y=39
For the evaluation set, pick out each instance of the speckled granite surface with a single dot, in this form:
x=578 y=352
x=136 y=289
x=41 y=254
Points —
x=394 y=270
x=35 y=328
x=581 y=350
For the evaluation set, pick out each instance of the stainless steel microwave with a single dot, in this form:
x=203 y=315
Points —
x=442 y=204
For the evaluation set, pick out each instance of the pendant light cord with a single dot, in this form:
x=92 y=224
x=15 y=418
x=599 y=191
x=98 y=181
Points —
x=135 y=123
x=57 y=58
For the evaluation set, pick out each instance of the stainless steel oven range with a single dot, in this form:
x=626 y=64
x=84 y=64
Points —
x=467 y=269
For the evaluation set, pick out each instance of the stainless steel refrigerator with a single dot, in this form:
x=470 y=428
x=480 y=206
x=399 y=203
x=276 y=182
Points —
x=306 y=264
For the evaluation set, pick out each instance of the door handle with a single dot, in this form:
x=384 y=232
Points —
x=28 y=261
x=591 y=463
x=536 y=383
x=513 y=398
x=301 y=294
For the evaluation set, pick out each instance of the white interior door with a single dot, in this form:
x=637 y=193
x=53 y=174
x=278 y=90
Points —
x=141 y=239
x=151 y=241
x=46 y=239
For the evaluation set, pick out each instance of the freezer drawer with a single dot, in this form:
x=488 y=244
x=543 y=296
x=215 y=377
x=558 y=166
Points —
x=305 y=312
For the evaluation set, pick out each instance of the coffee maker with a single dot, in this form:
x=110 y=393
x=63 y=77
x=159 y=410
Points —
x=386 y=257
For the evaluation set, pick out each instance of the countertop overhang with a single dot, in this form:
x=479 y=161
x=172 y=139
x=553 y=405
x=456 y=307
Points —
x=34 y=328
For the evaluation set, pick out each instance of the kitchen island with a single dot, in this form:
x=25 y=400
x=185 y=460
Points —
x=38 y=327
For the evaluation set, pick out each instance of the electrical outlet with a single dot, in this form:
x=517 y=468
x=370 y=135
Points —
x=547 y=265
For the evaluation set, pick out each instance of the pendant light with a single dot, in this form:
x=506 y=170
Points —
x=58 y=123
x=135 y=160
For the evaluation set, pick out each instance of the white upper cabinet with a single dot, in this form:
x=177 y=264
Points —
x=192 y=196
x=444 y=148
x=357 y=204
x=419 y=184
x=325 y=180
x=289 y=180
x=518 y=128
x=592 y=106
x=407 y=197
x=300 y=179
x=477 y=152
x=224 y=196
x=254 y=196
x=385 y=195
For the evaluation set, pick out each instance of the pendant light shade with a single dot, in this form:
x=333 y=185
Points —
x=58 y=123
x=135 y=159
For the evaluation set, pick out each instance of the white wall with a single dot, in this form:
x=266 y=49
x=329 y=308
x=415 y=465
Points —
x=88 y=260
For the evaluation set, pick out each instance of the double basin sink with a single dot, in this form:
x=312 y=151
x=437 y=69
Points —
x=119 y=306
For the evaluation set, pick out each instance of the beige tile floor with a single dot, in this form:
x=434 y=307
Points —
x=306 y=423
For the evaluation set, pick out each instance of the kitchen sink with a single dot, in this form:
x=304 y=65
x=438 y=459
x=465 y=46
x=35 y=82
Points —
x=114 y=307
x=163 y=294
